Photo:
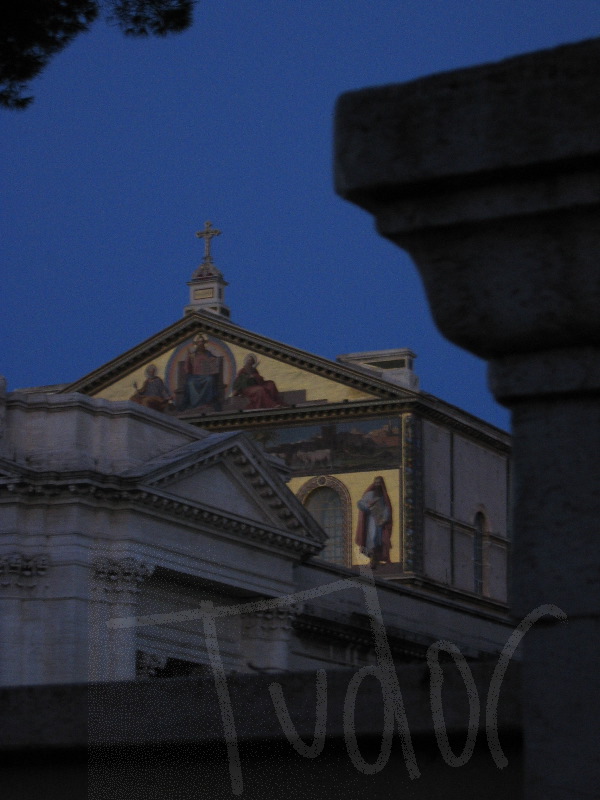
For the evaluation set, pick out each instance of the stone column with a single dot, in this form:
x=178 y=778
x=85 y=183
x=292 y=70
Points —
x=114 y=593
x=490 y=179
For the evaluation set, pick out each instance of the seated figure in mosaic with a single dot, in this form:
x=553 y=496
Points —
x=250 y=384
x=201 y=369
x=153 y=393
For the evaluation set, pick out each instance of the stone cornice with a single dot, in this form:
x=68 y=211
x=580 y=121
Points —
x=165 y=472
x=238 y=454
x=241 y=457
x=295 y=540
x=8 y=469
x=98 y=407
x=447 y=594
x=355 y=630
x=428 y=592
x=426 y=406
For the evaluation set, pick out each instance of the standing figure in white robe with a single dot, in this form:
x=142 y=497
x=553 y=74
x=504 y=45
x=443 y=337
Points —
x=373 y=533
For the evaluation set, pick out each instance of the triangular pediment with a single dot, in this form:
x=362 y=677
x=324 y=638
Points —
x=205 y=365
x=218 y=487
x=232 y=475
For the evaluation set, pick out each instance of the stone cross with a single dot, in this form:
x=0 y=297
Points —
x=207 y=234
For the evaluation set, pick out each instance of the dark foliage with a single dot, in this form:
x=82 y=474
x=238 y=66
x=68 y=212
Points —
x=33 y=31
x=152 y=17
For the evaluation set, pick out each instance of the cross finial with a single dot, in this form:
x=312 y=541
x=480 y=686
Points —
x=207 y=234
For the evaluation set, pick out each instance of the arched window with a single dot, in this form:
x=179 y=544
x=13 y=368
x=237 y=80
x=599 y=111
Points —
x=326 y=507
x=328 y=501
x=478 y=552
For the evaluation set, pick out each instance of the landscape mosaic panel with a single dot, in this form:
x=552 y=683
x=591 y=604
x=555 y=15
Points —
x=335 y=447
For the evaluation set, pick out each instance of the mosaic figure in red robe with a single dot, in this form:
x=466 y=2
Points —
x=250 y=384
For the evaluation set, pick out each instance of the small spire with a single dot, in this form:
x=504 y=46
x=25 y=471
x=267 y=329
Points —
x=207 y=286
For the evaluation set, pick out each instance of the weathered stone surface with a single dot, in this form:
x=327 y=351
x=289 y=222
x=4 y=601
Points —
x=490 y=178
x=469 y=127
x=113 y=511
x=562 y=727
x=556 y=496
x=95 y=497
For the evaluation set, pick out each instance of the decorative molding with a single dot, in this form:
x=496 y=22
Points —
x=265 y=638
x=197 y=321
x=22 y=569
x=300 y=543
x=56 y=402
x=427 y=407
x=270 y=620
x=294 y=414
x=355 y=631
x=329 y=481
x=251 y=470
x=483 y=604
x=412 y=494
x=121 y=575
x=318 y=626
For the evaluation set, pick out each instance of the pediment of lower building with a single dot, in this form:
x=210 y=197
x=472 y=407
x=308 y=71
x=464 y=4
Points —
x=227 y=471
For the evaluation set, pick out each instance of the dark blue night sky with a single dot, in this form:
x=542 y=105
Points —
x=131 y=145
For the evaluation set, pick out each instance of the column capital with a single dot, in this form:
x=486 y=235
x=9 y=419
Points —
x=272 y=620
x=121 y=574
x=22 y=569
x=490 y=178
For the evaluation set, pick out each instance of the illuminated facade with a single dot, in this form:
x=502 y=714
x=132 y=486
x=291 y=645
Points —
x=158 y=483
x=337 y=426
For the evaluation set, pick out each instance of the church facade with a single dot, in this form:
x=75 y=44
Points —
x=338 y=427
x=210 y=467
